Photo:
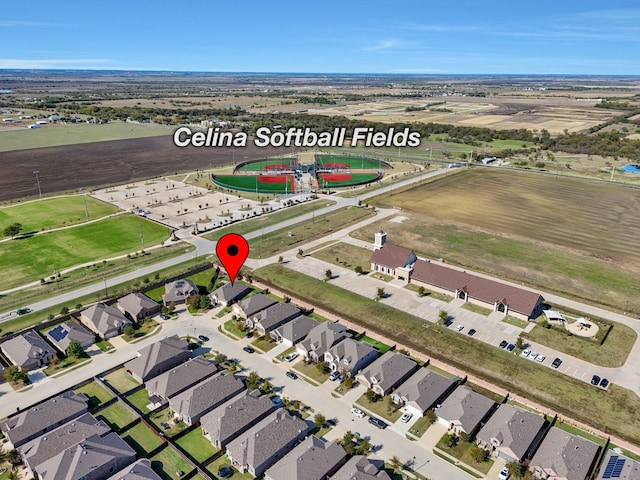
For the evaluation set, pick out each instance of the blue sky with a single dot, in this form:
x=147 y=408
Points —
x=350 y=36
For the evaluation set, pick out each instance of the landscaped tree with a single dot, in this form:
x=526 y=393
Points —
x=64 y=310
x=442 y=316
x=12 y=230
x=431 y=416
x=519 y=343
x=380 y=293
x=358 y=270
x=364 y=448
x=74 y=350
x=449 y=440
x=266 y=387
x=421 y=291
x=205 y=302
x=14 y=375
x=395 y=463
x=348 y=382
x=129 y=331
x=372 y=396
x=516 y=469
x=252 y=381
x=477 y=453
x=319 y=420
x=323 y=367
x=328 y=274
x=193 y=302
x=220 y=358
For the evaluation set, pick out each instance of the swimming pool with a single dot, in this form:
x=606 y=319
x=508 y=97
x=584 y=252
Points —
x=634 y=168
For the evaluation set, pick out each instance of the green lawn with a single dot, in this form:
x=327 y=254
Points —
x=66 y=363
x=311 y=370
x=516 y=322
x=264 y=344
x=116 y=416
x=612 y=353
x=287 y=238
x=420 y=426
x=476 y=308
x=428 y=293
x=461 y=452
x=345 y=255
x=381 y=347
x=105 y=345
x=233 y=327
x=166 y=416
x=139 y=400
x=37 y=257
x=121 y=381
x=54 y=212
x=97 y=394
x=53 y=135
x=223 y=461
x=142 y=439
x=614 y=409
x=381 y=408
x=196 y=445
x=141 y=329
x=168 y=463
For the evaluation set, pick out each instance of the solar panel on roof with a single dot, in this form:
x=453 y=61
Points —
x=610 y=465
x=58 y=333
x=617 y=469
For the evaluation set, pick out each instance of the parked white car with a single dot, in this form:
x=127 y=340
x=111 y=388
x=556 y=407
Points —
x=540 y=358
x=406 y=417
x=358 y=413
x=291 y=357
x=525 y=353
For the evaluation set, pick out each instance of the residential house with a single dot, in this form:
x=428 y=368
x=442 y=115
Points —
x=235 y=416
x=140 y=470
x=311 y=459
x=181 y=377
x=42 y=418
x=351 y=356
x=564 y=456
x=387 y=372
x=248 y=307
x=616 y=465
x=266 y=442
x=294 y=331
x=158 y=358
x=178 y=291
x=105 y=320
x=464 y=410
x=360 y=467
x=423 y=390
x=62 y=335
x=512 y=433
x=391 y=259
x=482 y=291
x=50 y=444
x=229 y=293
x=190 y=405
x=95 y=458
x=28 y=350
x=272 y=317
x=320 y=339
x=137 y=306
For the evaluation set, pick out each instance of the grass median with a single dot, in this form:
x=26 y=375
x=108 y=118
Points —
x=613 y=411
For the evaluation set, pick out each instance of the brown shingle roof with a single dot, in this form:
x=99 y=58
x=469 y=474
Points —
x=392 y=256
x=484 y=289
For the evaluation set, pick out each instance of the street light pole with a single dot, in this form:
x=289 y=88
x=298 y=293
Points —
x=84 y=198
x=36 y=172
x=141 y=234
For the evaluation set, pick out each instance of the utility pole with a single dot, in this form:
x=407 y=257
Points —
x=36 y=172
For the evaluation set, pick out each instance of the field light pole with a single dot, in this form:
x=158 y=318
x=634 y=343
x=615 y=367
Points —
x=36 y=172
x=84 y=198
x=141 y=234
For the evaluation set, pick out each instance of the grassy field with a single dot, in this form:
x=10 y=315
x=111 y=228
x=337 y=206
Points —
x=254 y=183
x=345 y=255
x=254 y=224
x=96 y=393
x=571 y=236
x=139 y=400
x=326 y=181
x=141 y=438
x=267 y=164
x=461 y=452
x=53 y=135
x=612 y=353
x=54 y=212
x=116 y=416
x=196 y=445
x=615 y=409
x=168 y=464
x=287 y=238
x=38 y=256
x=311 y=370
x=353 y=162
x=380 y=408
x=121 y=381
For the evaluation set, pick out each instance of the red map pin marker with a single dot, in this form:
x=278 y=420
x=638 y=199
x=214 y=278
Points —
x=232 y=250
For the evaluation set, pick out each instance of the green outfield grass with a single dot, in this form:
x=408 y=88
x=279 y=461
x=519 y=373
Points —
x=250 y=183
x=356 y=179
x=353 y=162
x=33 y=258
x=54 y=212
x=264 y=164
x=53 y=135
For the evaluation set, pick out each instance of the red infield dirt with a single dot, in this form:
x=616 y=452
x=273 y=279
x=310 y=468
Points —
x=335 y=177
x=334 y=165
x=273 y=178
x=108 y=163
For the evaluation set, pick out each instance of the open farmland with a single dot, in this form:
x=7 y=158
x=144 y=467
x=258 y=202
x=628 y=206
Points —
x=114 y=162
x=571 y=236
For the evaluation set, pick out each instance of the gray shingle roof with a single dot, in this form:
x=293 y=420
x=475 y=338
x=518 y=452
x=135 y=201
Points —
x=297 y=329
x=360 y=467
x=511 y=428
x=181 y=377
x=252 y=305
x=312 y=459
x=178 y=291
x=388 y=370
x=32 y=422
x=206 y=395
x=465 y=406
x=230 y=292
x=260 y=445
x=324 y=336
x=159 y=357
x=140 y=470
x=136 y=303
x=231 y=418
x=564 y=455
x=104 y=319
x=27 y=350
x=90 y=459
x=273 y=316
x=424 y=389
x=349 y=353
x=75 y=332
x=50 y=444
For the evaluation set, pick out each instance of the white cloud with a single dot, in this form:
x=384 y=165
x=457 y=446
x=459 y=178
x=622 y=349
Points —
x=53 y=63
x=389 y=44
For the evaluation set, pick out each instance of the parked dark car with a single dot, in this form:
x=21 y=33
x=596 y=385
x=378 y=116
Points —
x=377 y=422
x=292 y=375
x=203 y=338
x=595 y=380
x=472 y=332
x=604 y=383
x=248 y=349
x=510 y=347
x=556 y=363
x=503 y=344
